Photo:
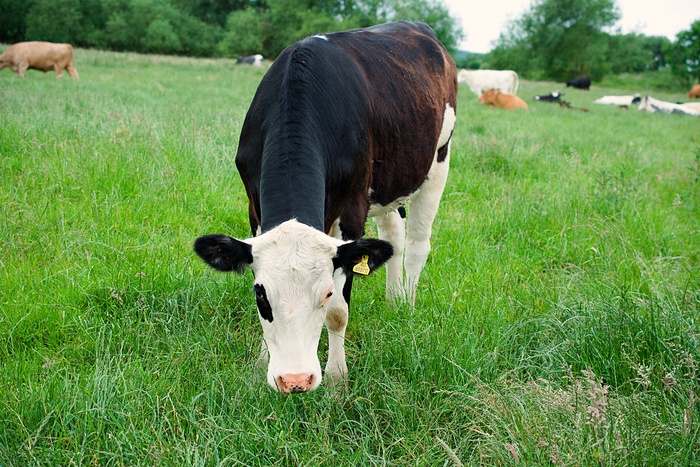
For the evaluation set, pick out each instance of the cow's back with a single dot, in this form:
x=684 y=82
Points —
x=409 y=89
x=355 y=109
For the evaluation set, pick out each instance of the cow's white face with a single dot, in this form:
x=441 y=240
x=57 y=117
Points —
x=299 y=273
x=293 y=268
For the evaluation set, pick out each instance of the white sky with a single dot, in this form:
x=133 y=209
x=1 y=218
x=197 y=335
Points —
x=483 y=21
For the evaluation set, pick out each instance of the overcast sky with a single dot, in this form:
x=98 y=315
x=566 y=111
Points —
x=483 y=21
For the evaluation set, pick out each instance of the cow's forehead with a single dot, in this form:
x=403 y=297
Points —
x=293 y=248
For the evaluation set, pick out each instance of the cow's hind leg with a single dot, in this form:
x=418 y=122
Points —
x=390 y=227
x=424 y=206
x=423 y=209
x=72 y=71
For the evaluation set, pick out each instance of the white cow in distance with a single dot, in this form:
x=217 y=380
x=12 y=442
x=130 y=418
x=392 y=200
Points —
x=654 y=105
x=480 y=81
x=619 y=100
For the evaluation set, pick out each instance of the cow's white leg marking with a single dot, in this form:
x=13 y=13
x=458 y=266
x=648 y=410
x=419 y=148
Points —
x=390 y=227
x=423 y=209
x=336 y=323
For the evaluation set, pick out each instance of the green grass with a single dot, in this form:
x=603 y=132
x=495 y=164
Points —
x=556 y=320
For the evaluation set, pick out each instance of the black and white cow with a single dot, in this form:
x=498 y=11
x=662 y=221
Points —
x=554 y=96
x=656 y=106
x=255 y=60
x=343 y=126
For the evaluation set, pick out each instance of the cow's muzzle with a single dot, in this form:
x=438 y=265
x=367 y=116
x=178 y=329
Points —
x=295 y=382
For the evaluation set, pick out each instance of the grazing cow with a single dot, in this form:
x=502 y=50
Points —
x=694 y=92
x=42 y=56
x=582 y=82
x=619 y=100
x=494 y=98
x=343 y=126
x=654 y=105
x=479 y=81
x=255 y=60
x=554 y=96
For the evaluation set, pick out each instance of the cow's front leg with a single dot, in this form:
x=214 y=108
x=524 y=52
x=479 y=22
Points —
x=336 y=324
x=22 y=69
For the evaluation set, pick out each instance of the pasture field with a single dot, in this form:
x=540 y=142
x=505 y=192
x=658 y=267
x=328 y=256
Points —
x=556 y=321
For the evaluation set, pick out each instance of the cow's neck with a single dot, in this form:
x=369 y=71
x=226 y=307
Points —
x=292 y=178
x=292 y=186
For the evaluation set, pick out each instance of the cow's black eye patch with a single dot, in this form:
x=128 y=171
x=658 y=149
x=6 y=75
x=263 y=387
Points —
x=263 y=304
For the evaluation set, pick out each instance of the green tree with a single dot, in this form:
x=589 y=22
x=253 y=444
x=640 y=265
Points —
x=207 y=27
x=275 y=24
x=291 y=20
x=636 y=53
x=433 y=12
x=245 y=30
x=559 y=38
x=161 y=37
x=155 y=26
x=54 y=21
x=685 y=54
x=214 y=12
x=13 y=20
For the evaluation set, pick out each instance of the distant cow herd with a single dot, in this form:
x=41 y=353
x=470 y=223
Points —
x=494 y=88
x=497 y=89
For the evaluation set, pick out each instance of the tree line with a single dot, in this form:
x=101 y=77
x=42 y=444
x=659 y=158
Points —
x=207 y=28
x=561 y=39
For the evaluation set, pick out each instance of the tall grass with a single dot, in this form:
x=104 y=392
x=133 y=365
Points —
x=556 y=321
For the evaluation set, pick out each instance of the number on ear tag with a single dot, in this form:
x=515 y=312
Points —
x=362 y=267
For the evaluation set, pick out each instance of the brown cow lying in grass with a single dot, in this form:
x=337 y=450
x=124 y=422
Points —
x=494 y=98
x=42 y=56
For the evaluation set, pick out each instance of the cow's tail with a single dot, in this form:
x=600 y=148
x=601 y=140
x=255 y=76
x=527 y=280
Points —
x=516 y=84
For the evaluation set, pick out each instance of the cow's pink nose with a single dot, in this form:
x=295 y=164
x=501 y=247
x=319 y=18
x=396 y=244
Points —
x=295 y=382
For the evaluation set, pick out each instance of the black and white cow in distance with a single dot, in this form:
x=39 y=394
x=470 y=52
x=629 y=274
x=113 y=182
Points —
x=343 y=126
x=255 y=60
x=554 y=96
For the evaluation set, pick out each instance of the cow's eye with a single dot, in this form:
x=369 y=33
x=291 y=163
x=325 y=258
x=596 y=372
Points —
x=328 y=296
x=264 y=307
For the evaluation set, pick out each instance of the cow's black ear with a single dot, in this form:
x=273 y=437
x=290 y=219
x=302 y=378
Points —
x=362 y=256
x=224 y=253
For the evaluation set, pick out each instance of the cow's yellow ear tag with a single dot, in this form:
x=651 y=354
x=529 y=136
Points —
x=362 y=267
